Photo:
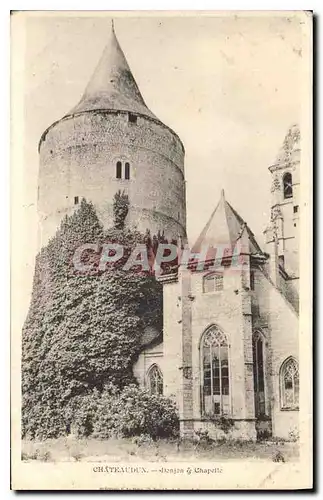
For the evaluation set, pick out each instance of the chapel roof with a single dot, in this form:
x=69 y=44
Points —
x=150 y=336
x=225 y=227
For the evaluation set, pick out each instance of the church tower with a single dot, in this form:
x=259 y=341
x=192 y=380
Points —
x=282 y=233
x=111 y=141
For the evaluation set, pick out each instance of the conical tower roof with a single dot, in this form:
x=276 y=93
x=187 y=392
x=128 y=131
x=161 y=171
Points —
x=112 y=86
x=224 y=227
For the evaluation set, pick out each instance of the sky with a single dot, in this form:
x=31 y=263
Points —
x=228 y=85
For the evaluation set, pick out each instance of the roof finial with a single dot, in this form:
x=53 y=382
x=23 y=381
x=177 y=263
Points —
x=222 y=194
x=112 y=25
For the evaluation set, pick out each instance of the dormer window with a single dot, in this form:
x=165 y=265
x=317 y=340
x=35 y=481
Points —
x=123 y=170
x=288 y=185
x=213 y=283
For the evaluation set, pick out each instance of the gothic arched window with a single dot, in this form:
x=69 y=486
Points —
x=155 y=380
x=215 y=373
x=288 y=185
x=289 y=384
x=259 y=374
x=213 y=282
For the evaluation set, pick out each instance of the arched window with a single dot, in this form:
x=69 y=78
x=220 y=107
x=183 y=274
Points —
x=213 y=282
x=215 y=373
x=259 y=374
x=155 y=380
x=127 y=171
x=289 y=384
x=119 y=170
x=288 y=185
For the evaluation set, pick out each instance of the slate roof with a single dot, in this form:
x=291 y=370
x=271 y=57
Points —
x=225 y=227
x=150 y=336
x=112 y=85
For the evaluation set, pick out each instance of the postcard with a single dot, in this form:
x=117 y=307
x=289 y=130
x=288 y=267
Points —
x=161 y=250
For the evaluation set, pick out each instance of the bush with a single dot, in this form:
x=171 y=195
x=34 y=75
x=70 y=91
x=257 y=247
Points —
x=45 y=456
x=126 y=413
x=142 y=440
x=278 y=457
x=223 y=422
x=202 y=439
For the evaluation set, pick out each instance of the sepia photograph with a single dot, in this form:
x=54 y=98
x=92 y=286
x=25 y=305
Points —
x=161 y=241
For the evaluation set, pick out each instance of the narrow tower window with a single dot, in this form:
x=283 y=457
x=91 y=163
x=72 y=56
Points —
x=118 y=170
x=132 y=118
x=295 y=209
x=258 y=374
x=288 y=185
x=76 y=200
x=252 y=280
x=127 y=171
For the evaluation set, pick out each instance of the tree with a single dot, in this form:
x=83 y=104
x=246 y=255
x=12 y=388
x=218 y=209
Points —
x=120 y=209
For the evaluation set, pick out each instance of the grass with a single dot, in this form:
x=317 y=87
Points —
x=132 y=450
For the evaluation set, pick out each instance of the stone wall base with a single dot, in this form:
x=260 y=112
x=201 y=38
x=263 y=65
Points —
x=186 y=428
x=285 y=424
x=264 y=428
x=244 y=430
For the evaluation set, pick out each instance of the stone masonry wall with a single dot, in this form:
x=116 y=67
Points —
x=283 y=333
x=78 y=157
x=226 y=310
x=147 y=358
x=172 y=317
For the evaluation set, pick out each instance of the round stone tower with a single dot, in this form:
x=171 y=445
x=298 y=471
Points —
x=111 y=141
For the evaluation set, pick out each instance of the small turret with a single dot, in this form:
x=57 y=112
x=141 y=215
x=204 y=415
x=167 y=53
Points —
x=285 y=204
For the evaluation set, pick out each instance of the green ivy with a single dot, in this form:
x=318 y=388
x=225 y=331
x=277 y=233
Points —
x=82 y=330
